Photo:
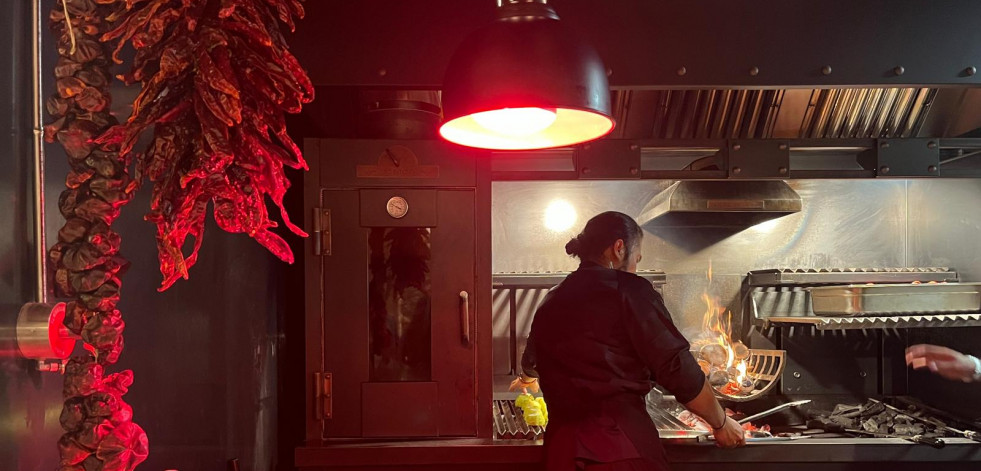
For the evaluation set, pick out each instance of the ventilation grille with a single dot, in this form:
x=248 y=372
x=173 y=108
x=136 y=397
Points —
x=771 y=113
x=866 y=112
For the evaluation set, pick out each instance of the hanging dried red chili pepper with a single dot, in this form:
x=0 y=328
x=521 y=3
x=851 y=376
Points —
x=213 y=141
x=99 y=429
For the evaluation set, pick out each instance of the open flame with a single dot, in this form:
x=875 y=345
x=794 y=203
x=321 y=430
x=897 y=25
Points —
x=724 y=361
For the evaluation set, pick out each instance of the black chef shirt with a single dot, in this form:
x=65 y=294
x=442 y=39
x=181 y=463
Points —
x=597 y=341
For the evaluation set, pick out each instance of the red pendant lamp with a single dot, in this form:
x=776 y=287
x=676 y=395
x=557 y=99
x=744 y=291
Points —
x=525 y=82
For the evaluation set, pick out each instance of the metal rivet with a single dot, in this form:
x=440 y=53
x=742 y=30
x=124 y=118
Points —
x=736 y=147
x=884 y=169
x=826 y=70
x=682 y=71
x=736 y=170
x=609 y=72
x=797 y=374
x=883 y=144
x=754 y=71
x=899 y=70
x=971 y=70
x=382 y=72
x=586 y=170
x=932 y=145
x=782 y=147
x=634 y=171
x=863 y=374
x=932 y=168
x=782 y=170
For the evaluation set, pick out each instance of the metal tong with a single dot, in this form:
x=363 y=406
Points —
x=930 y=441
x=770 y=411
x=969 y=434
x=773 y=410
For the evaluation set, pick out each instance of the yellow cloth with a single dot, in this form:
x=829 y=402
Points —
x=533 y=409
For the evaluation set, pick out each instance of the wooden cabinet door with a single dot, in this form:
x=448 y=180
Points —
x=398 y=317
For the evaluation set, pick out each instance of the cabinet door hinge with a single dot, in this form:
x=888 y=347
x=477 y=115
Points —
x=323 y=395
x=321 y=231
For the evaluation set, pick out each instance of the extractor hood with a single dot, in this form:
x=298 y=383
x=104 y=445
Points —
x=732 y=204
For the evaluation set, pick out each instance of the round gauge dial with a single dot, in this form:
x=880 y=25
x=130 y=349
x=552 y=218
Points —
x=397 y=207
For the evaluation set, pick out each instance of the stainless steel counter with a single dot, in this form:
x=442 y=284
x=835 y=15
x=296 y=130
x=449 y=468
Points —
x=512 y=454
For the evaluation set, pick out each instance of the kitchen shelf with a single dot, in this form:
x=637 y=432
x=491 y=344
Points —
x=840 y=276
x=880 y=322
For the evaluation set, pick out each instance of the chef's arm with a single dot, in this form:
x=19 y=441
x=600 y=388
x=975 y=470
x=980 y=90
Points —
x=727 y=432
x=528 y=379
x=529 y=364
x=707 y=407
x=658 y=342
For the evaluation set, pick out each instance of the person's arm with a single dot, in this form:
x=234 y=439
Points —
x=528 y=378
x=945 y=362
x=666 y=353
x=728 y=433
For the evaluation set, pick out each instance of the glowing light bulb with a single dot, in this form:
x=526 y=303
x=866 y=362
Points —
x=516 y=121
x=766 y=227
x=559 y=216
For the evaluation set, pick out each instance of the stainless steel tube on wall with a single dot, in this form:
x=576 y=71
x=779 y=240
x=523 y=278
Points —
x=40 y=245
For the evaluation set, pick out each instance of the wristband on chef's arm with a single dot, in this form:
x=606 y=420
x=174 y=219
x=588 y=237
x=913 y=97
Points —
x=977 y=370
x=530 y=380
x=725 y=419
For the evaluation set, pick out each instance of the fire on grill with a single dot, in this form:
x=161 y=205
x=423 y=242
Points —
x=723 y=361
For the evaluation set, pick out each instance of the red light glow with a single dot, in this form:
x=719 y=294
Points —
x=526 y=128
x=59 y=337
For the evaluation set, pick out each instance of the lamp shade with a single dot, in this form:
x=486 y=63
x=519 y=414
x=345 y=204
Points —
x=525 y=82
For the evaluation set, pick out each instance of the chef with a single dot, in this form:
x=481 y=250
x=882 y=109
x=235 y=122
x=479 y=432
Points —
x=597 y=341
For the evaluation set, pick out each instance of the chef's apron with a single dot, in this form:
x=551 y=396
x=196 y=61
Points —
x=616 y=430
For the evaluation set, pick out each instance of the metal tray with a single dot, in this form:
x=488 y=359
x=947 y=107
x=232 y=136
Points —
x=884 y=299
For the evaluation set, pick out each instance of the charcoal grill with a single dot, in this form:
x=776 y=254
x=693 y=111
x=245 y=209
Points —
x=861 y=348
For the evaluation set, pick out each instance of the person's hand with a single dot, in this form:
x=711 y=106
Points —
x=527 y=384
x=943 y=361
x=731 y=435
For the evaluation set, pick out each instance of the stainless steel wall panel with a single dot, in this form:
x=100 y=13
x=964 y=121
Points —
x=945 y=225
x=843 y=223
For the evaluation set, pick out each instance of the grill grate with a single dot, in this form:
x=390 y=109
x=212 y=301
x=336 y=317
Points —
x=765 y=367
x=890 y=322
x=509 y=423
x=812 y=276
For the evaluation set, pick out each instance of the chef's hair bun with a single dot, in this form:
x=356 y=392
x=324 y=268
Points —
x=573 y=247
x=601 y=232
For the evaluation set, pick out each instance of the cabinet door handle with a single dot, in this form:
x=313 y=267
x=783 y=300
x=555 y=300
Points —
x=465 y=317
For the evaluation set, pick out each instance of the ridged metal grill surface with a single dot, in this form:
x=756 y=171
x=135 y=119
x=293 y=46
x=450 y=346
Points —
x=883 y=322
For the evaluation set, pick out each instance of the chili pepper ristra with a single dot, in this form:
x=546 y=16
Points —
x=217 y=79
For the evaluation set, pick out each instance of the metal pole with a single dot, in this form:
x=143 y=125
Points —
x=40 y=245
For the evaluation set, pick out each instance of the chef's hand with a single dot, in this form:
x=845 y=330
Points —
x=526 y=383
x=731 y=435
x=943 y=361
